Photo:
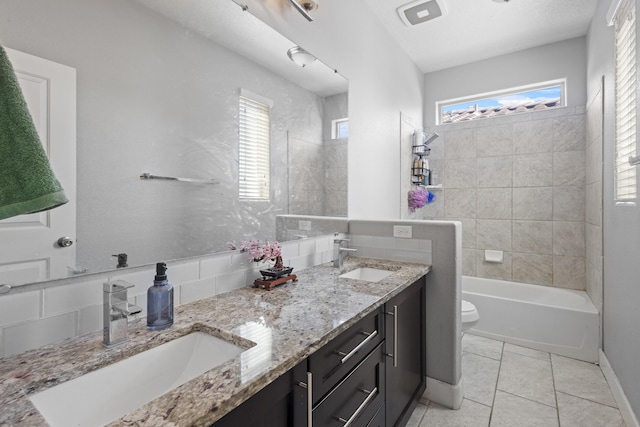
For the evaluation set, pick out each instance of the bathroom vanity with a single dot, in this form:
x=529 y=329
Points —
x=321 y=350
x=370 y=375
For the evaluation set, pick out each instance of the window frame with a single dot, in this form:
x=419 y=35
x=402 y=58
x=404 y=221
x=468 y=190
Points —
x=503 y=93
x=335 y=126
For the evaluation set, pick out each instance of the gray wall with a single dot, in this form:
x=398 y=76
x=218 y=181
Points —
x=153 y=97
x=621 y=226
x=565 y=59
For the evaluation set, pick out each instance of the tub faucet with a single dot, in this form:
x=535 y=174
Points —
x=116 y=310
x=339 y=252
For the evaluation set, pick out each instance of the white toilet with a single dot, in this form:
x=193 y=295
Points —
x=470 y=316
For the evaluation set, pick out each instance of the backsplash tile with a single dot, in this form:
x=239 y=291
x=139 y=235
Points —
x=198 y=289
x=28 y=335
x=63 y=299
x=90 y=319
x=32 y=319
x=215 y=265
x=19 y=307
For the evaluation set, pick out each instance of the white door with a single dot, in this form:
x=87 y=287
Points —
x=29 y=249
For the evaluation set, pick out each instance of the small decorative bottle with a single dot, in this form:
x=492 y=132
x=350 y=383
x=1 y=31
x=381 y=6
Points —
x=160 y=301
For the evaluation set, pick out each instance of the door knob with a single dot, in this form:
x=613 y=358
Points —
x=65 y=242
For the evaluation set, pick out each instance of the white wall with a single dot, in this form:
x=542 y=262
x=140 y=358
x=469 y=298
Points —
x=383 y=81
x=565 y=59
x=621 y=310
x=153 y=97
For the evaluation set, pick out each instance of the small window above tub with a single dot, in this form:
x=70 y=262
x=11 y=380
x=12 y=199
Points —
x=340 y=128
x=524 y=99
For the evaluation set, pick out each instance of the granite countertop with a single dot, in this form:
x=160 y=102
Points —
x=279 y=328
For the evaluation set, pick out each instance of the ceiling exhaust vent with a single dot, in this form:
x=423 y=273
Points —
x=421 y=11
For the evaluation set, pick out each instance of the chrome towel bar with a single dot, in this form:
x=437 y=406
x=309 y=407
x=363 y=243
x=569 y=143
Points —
x=147 y=175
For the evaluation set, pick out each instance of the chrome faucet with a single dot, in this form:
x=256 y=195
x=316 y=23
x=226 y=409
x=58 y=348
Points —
x=339 y=251
x=116 y=310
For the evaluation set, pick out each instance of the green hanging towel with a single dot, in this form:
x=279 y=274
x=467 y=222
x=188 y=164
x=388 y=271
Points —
x=27 y=183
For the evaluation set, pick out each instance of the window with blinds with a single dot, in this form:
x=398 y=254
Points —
x=254 y=132
x=626 y=100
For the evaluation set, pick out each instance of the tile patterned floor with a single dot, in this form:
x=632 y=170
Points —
x=510 y=386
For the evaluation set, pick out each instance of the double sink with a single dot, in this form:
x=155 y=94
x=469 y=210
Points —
x=104 y=395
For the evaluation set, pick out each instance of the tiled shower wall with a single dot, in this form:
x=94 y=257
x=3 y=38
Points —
x=593 y=226
x=318 y=165
x=517 y=184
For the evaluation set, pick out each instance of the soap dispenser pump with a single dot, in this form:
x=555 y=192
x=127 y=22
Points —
x=160 y=300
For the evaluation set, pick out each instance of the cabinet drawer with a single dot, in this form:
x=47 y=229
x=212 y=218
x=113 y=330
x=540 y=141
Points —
x=333 y=361
x=357 y=398
x=378 y=419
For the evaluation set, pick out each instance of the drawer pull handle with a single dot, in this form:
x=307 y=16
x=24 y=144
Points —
x=347 y=356
x=395 y=336
x=309 y=387
x=370 y=396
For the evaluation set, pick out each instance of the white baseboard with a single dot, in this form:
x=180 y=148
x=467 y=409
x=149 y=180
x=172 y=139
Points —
x=618 y=393
x=445 y=394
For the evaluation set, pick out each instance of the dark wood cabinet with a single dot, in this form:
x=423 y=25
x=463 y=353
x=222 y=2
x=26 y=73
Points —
x=282 y=403
x=405 y=345
x=334 y=361
x=372 y=375
x=355 y=400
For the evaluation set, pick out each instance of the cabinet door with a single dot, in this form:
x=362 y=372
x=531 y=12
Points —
x=405 y=345
x=282 y=403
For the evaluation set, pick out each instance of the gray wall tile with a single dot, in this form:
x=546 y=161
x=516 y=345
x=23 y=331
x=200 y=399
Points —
x=531 y=137
x=533 y=203
x=495 y=172
x=533 y=170
x=569 y=204
x=533 y=237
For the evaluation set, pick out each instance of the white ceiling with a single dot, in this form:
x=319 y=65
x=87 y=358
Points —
x=225 y=23
x=471 y=30
x=479 y=29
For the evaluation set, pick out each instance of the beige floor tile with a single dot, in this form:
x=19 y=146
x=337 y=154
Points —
x=581 y=379
x=527 y=377
x=470 y=414
x=514 y=411
x=417 y=415
x=482 y=346
x=524 y=351
x=480 y=376
x=577 y=412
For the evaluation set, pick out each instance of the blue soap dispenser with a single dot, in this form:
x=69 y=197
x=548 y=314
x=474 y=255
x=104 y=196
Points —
x=160 y=300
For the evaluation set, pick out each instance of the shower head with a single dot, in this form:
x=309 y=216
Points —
x=428 y=138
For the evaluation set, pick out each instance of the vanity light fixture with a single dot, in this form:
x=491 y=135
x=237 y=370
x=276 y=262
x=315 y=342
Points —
x=304 y=7
x=300 y=56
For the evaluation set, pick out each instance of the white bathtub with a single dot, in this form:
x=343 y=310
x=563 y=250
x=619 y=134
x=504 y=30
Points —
x=555 y=320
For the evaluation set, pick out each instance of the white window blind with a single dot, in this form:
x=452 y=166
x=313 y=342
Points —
x=254 y=144
x=626 y=100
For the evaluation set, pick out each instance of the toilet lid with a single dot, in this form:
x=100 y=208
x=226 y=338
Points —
x=467 y=306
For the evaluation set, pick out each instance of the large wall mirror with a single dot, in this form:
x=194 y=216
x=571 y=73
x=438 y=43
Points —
x=158 y=86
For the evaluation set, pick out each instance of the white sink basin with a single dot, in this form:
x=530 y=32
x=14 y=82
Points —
x=107 y=394
x=367 y=274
